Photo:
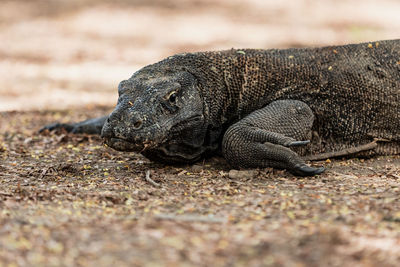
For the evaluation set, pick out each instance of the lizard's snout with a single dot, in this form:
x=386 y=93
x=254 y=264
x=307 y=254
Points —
x=121 y=125
x=107 y=131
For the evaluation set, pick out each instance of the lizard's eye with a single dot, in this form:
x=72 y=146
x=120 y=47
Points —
x=172 y=97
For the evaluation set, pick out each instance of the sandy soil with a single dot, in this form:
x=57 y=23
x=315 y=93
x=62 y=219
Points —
x=67 y=200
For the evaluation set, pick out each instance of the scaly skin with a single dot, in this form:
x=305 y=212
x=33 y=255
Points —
x=179 y=109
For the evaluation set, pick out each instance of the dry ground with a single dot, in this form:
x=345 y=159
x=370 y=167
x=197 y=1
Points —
x=69 y=201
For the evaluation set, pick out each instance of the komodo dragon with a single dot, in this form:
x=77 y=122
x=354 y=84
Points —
x=260 y=108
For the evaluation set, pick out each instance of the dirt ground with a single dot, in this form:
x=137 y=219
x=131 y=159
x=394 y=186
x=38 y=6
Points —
x=67 y=200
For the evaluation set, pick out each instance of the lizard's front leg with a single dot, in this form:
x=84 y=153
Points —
x=264 y=137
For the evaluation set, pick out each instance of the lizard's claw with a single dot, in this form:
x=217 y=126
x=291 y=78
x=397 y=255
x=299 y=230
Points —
x=299 y=143
x=305 y=170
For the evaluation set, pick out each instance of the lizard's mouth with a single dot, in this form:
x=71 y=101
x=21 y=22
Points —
x=123 y=145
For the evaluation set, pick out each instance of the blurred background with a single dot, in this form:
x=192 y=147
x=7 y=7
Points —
x=60 y=54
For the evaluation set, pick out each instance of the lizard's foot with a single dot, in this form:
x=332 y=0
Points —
x=54 y=126
x=264 y=138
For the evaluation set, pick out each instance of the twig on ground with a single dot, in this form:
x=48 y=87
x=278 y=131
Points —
x=151 y=181
x=345 y=152
x=190 y=218
x=394 y=175
x=6 y=194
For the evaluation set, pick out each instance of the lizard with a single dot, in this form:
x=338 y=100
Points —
x=259 y=108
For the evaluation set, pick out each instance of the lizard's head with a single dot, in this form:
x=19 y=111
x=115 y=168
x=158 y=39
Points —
x=160 y=114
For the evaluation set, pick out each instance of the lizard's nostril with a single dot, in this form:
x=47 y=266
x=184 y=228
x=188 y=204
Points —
x=137 y=124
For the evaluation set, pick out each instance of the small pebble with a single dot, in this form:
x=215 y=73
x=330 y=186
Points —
x=235 y=174
x=197 y=168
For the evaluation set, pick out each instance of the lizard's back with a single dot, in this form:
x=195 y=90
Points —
x=353 y=90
